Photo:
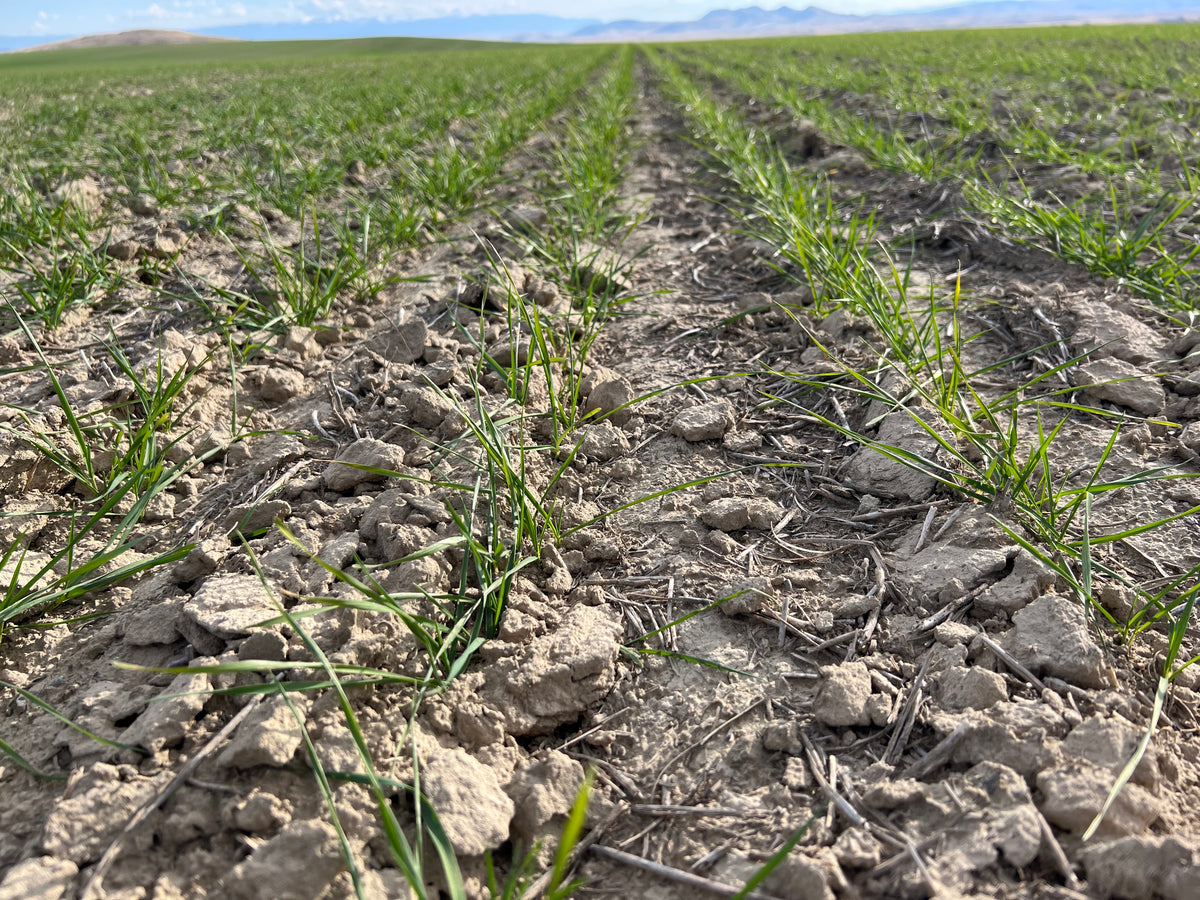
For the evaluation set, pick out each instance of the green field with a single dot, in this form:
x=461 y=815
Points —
x=447 y=469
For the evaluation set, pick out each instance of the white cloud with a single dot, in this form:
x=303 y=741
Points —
x=42 y=22
x=156 y=12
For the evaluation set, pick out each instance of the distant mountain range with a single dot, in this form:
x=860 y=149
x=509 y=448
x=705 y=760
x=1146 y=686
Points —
x=478 y=28
x=754 y=21
x=750 y=21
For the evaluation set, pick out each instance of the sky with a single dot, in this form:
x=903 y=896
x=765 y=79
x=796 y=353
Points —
x=72 y=17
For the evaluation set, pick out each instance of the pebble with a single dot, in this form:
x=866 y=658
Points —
x=706 y=422
x=1051 y=636
x=270 y=736
x=1119 y=382
x=343 y=474
x=735 y=513
x=1073 y=793
x=123 y=250
x=841 y=699
x=473 y=809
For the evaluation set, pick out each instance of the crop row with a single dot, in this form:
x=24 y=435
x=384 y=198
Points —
x=995 y=444
x=374 y=154
x=1127 y=228
x=525 y=351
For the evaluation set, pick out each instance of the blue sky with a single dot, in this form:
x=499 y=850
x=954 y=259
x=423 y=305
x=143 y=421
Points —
x=88 y=16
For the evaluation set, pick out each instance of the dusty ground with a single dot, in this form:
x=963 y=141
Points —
x=954 y=775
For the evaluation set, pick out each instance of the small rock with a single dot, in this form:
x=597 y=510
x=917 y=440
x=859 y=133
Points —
x=888 y=795
x=556 y=677
x=202 y=560
x=12 y=350
x=596 y=376
x=742 y=441
x=83 y=194
x=264 y=645
x=258 y=813
x=509 y=352
x=799 y=878
x=603 y=442
x=753 y=302
x=26 y=571
x=422 y=574
x=1110 y=743
x=971 y=688
x=1004 y=787
x=726 y=546
x=428 y=407
x=143 y=205
x=706 y=422
x=123 y=250
x=168 y=243
x=610 y=398
x=301 y=341
x=886 y=475
x=337 y=750
x=280 y=383
x=1073 y=793
x=154 y=625
x=299 y=863
x=1028 y=579
x=841 y=699
x=1102 y=331
x=40 y=878
x=954 y=634
x=1144 y=867
x=1019 y=735
x=937 y=566
x=250 y=519
x=270 y=736
x=1050 y=636
x=796 y=776
x=103 y=799
x=227 y=607
x=473 y=810
x=541 y=789
x=340 y=550
x=879 y=708
x=557 y=577
x=1016 y=833
x=747 y=596
x=1189 y=386
x=604 y=548
x=853 y=607
x=165 y=721
x=1184 y=343
x=403 y=343
x=1119 y=382
x=782 y=736
x=343 y=474
x=736 y=513
x=857 y=848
